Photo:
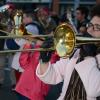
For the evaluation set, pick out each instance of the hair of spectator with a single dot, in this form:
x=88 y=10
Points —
x=83 y=10
x=95 y=11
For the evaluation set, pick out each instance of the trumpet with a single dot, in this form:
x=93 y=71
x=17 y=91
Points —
x=65 y=41
x=17 y=26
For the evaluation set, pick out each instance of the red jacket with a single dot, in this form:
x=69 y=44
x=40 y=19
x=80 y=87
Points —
x=29 y=85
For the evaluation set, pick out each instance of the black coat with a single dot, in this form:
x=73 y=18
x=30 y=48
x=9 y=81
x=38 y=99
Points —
x=2 y=41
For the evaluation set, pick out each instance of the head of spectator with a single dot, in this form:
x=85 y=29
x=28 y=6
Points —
x=44 y=19
x=82 y=20
x=44 y=13
x=28 y=17
x=94 y=25
x=29 y=22
x=81 y=13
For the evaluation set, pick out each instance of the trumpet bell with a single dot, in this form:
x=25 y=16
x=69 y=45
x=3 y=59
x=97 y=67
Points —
x=64 y=40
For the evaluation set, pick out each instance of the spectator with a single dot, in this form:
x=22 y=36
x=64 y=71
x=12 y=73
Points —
x=9 y=17
x=28 y=21
x=44 y=19
x=29 y=85
x=82 y=19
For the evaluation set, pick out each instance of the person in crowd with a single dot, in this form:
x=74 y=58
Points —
x=14 y=44
x=9 y=17
x=82 y=19
x=28 y=21
x=80 y=74
x=29 y=86
x=44 y=19
x=6 y=24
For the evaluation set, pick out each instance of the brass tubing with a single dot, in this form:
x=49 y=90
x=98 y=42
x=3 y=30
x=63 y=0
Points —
x=27 y=50
x=24 y=36
x=4 y=32
x=86 y=40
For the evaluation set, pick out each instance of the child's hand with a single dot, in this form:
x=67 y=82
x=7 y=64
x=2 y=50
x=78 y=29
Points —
x=27 y=46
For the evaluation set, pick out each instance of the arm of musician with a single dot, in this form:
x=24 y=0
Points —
x=25 y=57
x=52 y=73
x=90 y=76
x=54 y=59
x=55 y=73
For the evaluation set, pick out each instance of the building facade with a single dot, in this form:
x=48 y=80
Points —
x=61 y=5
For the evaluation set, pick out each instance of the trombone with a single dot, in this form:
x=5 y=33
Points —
x=65 y=41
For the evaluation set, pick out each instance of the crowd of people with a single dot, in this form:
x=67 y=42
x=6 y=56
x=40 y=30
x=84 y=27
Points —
x=43 y=75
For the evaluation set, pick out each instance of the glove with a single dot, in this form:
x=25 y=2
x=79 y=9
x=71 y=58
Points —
x=45 y=56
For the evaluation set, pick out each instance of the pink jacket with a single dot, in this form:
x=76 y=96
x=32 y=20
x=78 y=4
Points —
x=63 y=69
x=29 y=84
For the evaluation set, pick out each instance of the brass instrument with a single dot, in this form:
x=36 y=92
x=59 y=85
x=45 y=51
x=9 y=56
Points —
x=19 y=29
x=65 y=41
